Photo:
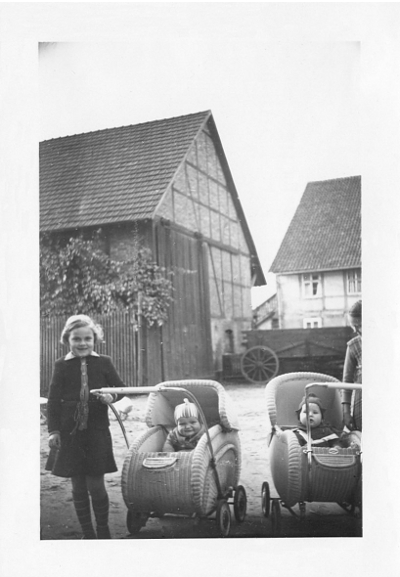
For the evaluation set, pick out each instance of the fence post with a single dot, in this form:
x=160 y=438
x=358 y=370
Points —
x=139 y=341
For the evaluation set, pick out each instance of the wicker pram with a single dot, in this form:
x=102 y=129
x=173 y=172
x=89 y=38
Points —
x=307 y=473
x=196 y=483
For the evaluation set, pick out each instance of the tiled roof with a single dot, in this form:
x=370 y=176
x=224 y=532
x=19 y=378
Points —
x=325 y=232
x=112 y=175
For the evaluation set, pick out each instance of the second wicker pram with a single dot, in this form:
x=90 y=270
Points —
x=307 y=473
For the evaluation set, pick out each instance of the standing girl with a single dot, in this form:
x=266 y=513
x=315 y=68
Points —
x=79 y=435
x=352 y=371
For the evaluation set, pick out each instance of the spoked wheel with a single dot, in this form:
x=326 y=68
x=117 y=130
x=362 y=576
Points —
x=223 y=517
x=276 y=517
x=240 y=504
x=259 y=364
x=265 y=499
x=135 y=521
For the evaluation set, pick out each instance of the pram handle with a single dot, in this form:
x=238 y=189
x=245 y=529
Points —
x=351 y=386
x=127 y=390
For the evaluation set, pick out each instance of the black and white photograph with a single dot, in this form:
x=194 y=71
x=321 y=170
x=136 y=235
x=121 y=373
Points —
x=202 y=204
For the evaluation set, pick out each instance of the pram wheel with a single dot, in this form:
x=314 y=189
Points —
x=240 y=504
x=223 y=517
x=276 y=517
x=135 y=521
x=265 y=499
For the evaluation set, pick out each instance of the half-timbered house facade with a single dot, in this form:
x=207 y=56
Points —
x=318 y=265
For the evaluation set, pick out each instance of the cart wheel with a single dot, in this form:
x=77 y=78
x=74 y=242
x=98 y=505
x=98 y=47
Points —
x=259 y=364
x=265 y=499
x=276 y=517
x=223 y=517
x=135 y=521
x=240 y=504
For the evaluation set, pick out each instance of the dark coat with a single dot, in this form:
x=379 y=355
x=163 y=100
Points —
x=65 y=388
x=88 y=451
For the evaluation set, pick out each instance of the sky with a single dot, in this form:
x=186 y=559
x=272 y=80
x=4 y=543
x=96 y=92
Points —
x=287 y=112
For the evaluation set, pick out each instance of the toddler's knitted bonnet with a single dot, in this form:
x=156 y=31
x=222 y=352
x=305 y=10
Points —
x=311 y=399
x=186 y=409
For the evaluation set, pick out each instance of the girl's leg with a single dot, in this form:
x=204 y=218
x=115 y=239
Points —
x=80 y=496
x=100 y=504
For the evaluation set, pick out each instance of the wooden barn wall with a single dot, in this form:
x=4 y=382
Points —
x=119 y=344
x=186 y=341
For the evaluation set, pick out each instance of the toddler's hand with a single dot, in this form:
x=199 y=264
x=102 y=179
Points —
x=55 y=441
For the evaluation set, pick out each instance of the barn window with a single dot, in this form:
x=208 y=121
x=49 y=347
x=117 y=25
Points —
x=354 y=281
x=311 y=285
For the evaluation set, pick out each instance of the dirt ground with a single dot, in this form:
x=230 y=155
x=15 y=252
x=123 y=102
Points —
x=58 y=520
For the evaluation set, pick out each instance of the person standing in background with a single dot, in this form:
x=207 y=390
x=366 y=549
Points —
x=352 y=372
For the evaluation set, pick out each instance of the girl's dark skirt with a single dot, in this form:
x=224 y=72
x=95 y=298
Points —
x=87 y=452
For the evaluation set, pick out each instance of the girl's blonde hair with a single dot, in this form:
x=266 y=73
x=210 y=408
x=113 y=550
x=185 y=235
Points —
x=78 y=321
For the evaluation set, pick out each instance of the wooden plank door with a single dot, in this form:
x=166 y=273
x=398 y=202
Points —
x=186 y=336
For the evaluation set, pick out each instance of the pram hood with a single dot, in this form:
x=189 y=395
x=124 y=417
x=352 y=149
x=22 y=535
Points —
x=212 y=397
x=284 y=393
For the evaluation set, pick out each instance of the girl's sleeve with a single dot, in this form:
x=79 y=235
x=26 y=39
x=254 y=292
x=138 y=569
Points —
x=114 y=380
x=54 y=400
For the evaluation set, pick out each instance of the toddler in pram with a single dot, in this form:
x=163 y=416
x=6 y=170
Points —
x=301 y=470
x=193 y=483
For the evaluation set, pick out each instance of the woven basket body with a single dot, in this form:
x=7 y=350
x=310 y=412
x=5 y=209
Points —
x=182 y=483
x=335 y=472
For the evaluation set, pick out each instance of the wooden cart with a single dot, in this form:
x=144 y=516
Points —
x=273 y=352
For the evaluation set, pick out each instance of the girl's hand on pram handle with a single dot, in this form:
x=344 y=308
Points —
x=55 y=441
x=105 y=398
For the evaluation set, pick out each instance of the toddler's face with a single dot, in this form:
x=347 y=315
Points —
x=81 y=341
x=315 y=415
x=188 y=426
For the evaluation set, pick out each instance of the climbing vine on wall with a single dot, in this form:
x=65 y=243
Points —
x=78 y=276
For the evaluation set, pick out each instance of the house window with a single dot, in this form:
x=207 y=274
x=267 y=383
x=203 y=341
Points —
x=312 y=323
x=354 y=281
x=311 y=285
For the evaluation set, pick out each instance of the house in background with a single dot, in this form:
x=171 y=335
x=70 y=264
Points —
x=318 y=264
x=265 y=315
x=169 y=183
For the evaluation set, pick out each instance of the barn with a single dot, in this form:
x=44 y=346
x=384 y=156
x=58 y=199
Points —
x=169 y=182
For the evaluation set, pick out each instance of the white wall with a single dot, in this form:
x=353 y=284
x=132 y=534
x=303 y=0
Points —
x=331 y=305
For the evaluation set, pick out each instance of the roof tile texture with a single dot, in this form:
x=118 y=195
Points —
x=325 y=232
x=112 y=175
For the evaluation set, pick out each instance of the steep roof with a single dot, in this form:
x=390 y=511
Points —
x=112 y=175
x=120 y=174
x=325 y=232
